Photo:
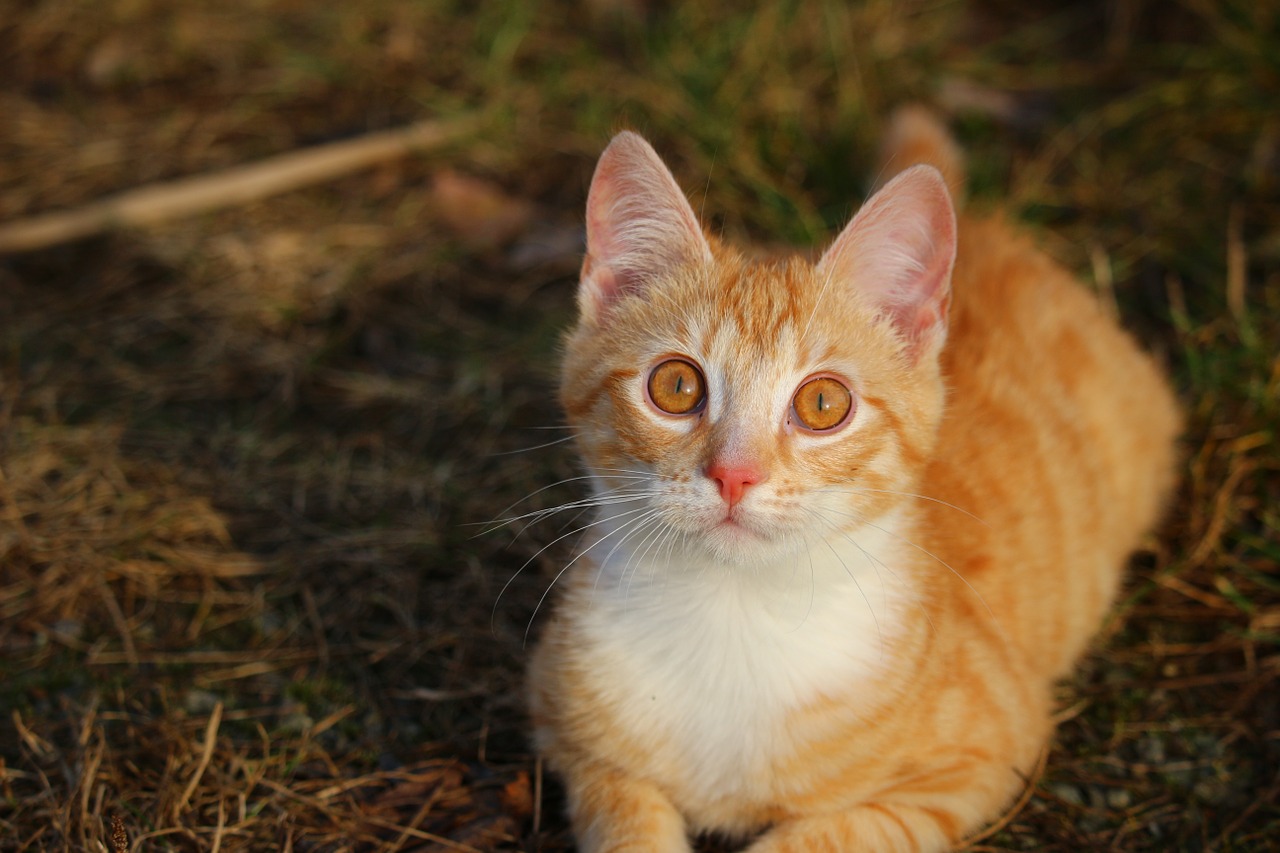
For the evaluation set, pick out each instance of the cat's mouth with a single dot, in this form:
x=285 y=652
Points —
x=735 y=518
x=729 y=523
x=735 y=530
x=742 y=533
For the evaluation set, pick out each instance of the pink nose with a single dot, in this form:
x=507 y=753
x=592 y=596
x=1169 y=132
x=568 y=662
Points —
x=734 y=479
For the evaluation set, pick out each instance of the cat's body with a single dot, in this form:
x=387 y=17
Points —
x=844 y=637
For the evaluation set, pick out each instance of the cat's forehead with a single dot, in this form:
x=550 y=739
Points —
x=760 y=298
x=757 y=310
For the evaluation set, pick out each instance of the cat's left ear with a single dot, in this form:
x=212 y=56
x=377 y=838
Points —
x=899 y=251
x=640 y=227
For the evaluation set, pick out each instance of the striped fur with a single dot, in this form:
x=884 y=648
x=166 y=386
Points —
x=859 y=654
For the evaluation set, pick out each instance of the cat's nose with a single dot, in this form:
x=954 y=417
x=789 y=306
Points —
x=733 y=479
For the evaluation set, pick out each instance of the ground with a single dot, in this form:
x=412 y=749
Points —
x=249 y=598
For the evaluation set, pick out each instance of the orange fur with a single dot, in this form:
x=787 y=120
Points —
x=1000 y=480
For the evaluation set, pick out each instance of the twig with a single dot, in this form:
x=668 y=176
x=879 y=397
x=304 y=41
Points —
x=417 y=819
x=1222 y=507
x=1013 y=811
x=217 y=830
x=1265 y=799
x=210 y=738
x=157 y=203
x=1237 y=264
x=537 y=797
x=419 y=834
x=412 y=832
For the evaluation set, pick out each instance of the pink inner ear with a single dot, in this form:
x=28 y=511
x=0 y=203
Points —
x=640 y=226
x=899 y=251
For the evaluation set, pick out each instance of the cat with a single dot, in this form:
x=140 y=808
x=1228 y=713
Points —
x=853 y=518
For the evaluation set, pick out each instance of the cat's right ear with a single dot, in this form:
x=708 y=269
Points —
x=640 y=227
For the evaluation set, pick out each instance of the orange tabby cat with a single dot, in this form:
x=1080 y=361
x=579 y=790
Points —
x=853 y=517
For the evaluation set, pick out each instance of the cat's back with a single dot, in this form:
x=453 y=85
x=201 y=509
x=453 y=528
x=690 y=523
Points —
x=1058 y=436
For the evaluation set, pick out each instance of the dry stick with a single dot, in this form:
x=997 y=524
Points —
x=210 y=738
x=1237 y=264
x=1013 y=811
x=537 y=797
x=417 y=819
x=187 y=196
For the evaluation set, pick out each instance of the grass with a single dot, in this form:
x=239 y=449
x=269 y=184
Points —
x=243 y=457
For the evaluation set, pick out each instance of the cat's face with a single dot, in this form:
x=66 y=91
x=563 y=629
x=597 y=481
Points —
x=752 y=415
x=747 y=410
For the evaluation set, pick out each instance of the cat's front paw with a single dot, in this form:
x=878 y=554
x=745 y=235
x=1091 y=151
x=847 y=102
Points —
x=868 y=828
x=659 y=842
x=613 y=812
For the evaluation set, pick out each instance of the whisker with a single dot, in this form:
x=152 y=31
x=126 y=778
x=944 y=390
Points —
x=861 y=591
x=536 y=554
x=872 y=561
x=813 y=583
x=649 y=475
x=532 y=494
x=569 y=565
x=644 y=519
x=534 y=447
x=858 y=491
x=495 y=523
x=875 y=561
x=665 y=541
x=638 y=557
x=808 y=553
x=584 y=507
x=607 y=498
x=673 y=536
x=929 y=553
x=817 y=303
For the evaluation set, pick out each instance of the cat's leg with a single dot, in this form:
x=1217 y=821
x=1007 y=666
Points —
x=616 y=813
x=932 y=814
x=870 y=827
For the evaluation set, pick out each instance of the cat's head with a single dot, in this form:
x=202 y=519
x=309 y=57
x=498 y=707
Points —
x=745 y=409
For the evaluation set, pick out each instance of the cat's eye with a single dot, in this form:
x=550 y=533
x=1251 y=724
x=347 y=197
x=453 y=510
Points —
x=676 y=387
x=822 y=404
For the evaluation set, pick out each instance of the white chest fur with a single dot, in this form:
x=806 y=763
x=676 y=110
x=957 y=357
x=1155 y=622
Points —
x=705 y=662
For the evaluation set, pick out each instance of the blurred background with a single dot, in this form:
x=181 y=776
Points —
x=251 y=597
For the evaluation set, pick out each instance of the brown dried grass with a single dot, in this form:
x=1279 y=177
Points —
x=242 y=458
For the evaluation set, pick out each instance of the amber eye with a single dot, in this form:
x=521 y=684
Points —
x=822 y=403
x=676 y=387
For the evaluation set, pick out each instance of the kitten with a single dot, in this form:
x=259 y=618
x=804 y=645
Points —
x=853 y=518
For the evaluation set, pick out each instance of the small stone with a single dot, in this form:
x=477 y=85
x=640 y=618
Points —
x=1211 y=791
x=199 y=702
x=1067 y=792
x=72 y=628
x=297 y=723
x=1207 y=745
x=1097 y=797
x=1151 y=748
x=1119 y=798
x=1092 y=822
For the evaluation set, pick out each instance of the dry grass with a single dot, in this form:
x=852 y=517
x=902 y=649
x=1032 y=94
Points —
x=243 y=457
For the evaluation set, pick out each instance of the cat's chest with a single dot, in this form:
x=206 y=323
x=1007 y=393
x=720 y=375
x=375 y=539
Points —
x=703 y=672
